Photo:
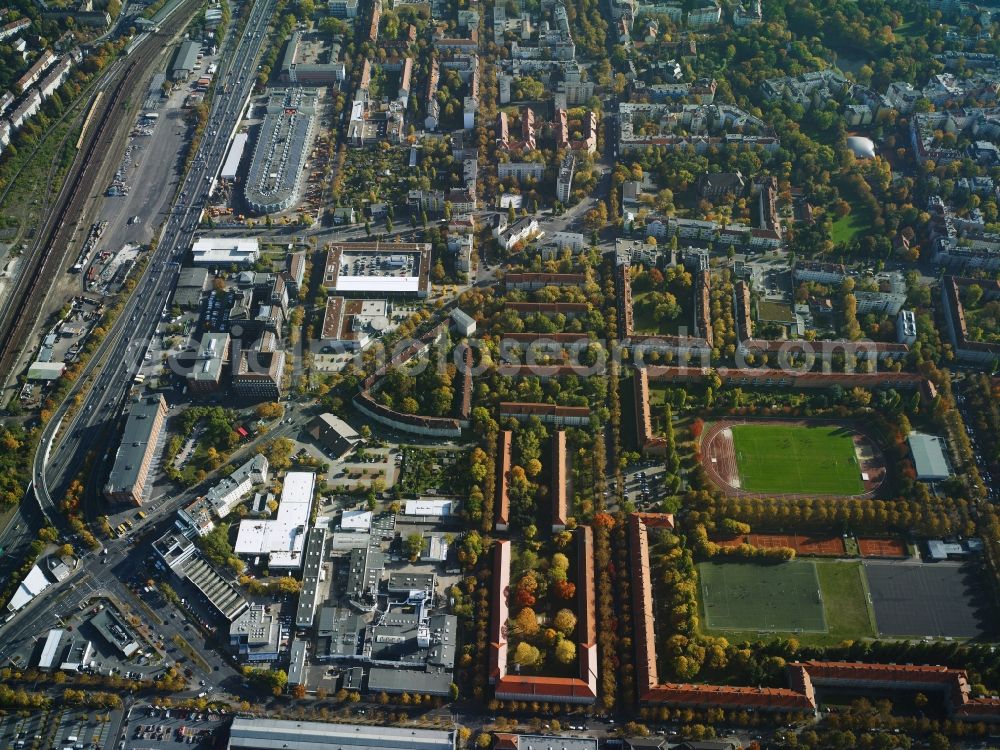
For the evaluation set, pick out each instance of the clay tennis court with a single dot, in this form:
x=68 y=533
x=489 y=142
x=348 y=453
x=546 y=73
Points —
x=818 y=546
x=893 y=548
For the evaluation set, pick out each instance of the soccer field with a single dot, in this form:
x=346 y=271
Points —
x=821 y=601
x=795 y=459
x=783 y=598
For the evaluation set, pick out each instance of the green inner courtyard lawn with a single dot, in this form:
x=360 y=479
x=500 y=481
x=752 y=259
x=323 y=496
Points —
x=643 y=320
x=818 y=601
x=846 y=227
x=777 y=458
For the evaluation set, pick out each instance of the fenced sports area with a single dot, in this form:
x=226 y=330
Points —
x=938 y=600
x=816 y=599
x=892 y=548
x=783 y=598
x=763 y=457
x=803 y=544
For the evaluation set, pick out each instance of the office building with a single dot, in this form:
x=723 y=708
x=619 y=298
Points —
x=282 y=539
x=127 y=480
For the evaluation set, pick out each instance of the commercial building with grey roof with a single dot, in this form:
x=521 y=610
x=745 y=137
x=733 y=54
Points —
x=294 y=71
x=364 y=573
x=255 y=635
x=297 y=662
x=276 y=172
x=209 y=363
x=221 y=594
x=312 y=570
x=115 y=631
x=191 y=284
x=127 y=480
x=185 y=61
x=268 y=734
x=929 y=456
x=334 y=434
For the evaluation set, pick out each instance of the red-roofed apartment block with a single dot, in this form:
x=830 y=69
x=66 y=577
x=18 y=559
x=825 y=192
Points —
x=504 y=452
x=582 y=689
x=560 y=479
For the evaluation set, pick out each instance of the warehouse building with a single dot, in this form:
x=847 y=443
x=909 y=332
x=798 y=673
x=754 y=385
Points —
x=186 y=61
x=232 y=164
x=50 y=650
x=276 y=173
x=127 y=480
x=267 y=734
x=225 y=251
x=312 y=572
x=191 y=284
x=180 y=555
x=929 y=457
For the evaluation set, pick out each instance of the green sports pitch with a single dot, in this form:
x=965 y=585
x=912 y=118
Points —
x=820 y=601
x=796 y=459
x=784 y=598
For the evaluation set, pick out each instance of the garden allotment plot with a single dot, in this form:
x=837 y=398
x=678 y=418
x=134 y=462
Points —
x=796 y=459
x=783 y=598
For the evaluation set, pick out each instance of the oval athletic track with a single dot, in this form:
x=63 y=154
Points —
x=718 y=456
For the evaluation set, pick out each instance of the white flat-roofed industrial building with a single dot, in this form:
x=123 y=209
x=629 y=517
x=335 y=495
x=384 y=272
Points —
x=225 y=251
x=232 y=165
x=276 y=734
x=33 y=584
x=426 y=507
x=356 y=520
x=282 y=538
x=50 y=650
x=377 y=269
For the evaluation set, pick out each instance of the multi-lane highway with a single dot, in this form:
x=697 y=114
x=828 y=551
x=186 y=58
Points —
x=108 y=378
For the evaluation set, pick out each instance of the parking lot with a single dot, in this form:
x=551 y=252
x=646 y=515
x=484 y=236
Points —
x=24 y=731
x=151 y=727
x=644 y=484
x=76 y=730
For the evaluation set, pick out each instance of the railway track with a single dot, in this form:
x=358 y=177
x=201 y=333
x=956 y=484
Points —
x=26 y=301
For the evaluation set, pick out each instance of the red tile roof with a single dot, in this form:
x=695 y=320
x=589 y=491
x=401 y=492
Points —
x=560 y=477
x=528 y=409
x=765 y=377
x=562 y=338
x=555 y=308
x=501 y=613
x=504 y=452
x=649 y=443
